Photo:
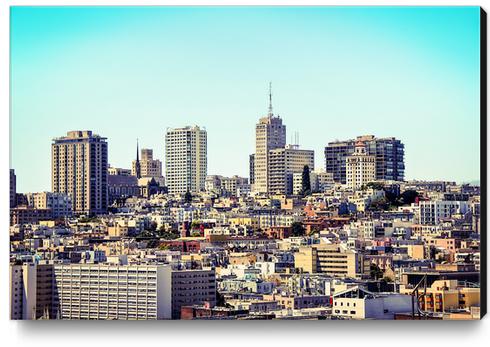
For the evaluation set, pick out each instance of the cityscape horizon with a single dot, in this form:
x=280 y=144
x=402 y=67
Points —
x=355 y=72
x=174 y=197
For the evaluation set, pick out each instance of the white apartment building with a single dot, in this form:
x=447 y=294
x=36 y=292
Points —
x=284 y=163
x=360 y=167
x=186 y=159
x=109 y=292
x=431 y=212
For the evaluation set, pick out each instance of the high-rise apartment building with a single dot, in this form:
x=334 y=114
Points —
x=148 y=167
x=389 y=154
x=270 y=134
x=185 y=159
x=360 y=167
x=13 y=188
x=79 y=169
x=283 y=163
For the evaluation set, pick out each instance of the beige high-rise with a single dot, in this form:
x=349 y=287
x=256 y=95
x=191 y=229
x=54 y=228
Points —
x=270 y=133
x=186 y=159
x=79 y=169
x=360 y=167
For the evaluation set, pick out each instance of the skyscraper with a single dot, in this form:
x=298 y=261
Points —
x=270 y=133
x=185 y=159
x=13 y=188
x=389 y=153
x=79 y=169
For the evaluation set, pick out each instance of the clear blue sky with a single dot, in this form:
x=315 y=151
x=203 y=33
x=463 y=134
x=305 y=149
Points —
x=131 y=72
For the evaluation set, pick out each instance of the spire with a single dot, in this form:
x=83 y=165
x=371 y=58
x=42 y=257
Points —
x=137 y=165
x=270 y=100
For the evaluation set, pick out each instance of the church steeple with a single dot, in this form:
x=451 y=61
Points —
x=137 y=165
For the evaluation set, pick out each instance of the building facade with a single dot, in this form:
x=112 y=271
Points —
x=79 y=169
x=283 y=164
x=270 y=134
x=13 y=188
x=109 y=292
x=185 y=159
x=360 y=167
x=60 y=204
x=331 y=259
x=192 y=287
x=431 y=212
x=148 y=166
x=389 y=153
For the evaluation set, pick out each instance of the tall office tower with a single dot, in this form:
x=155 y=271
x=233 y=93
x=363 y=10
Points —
x=251 y=165
x=13 y=188
x=185 y=159
x=360 y=167
x=389 y=153
x=79 y=169
x=283 y=163
x=270 y=133
x=147 y=166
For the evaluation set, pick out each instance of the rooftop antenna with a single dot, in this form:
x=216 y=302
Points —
x=270 y=100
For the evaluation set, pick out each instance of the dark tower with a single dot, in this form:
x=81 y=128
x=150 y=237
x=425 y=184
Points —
x=137 y=165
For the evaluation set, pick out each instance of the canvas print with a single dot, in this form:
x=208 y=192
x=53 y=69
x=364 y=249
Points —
x=247 y=163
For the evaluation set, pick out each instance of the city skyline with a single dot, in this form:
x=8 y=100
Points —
x=110 y=71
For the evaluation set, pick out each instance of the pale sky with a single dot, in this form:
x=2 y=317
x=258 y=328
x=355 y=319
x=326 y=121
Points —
x=337 y=72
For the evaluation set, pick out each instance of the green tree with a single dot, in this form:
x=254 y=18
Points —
x=408 y=196
x=305 y=181
x=153 y=226
x=375 y=185
x=188 y=197
x=298 y=229
x=375 y=272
